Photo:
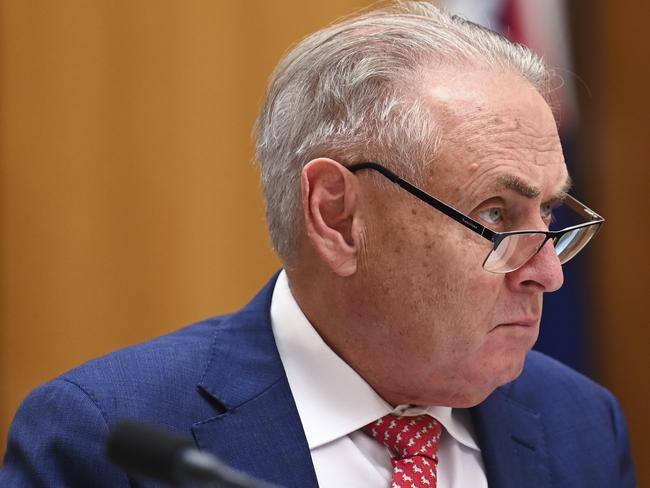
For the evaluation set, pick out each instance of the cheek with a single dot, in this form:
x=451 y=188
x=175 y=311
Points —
x=437 y=267
x=465 y=318
x=500 y=355
x=465 y=306
x=430 y=273
x=466 y=293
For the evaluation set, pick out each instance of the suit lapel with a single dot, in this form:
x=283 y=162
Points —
x=513 y=446
x=259 y=430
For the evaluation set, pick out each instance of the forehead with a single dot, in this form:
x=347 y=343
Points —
x=496 y=126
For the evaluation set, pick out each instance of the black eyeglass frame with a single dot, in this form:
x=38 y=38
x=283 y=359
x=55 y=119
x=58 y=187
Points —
x=493 y=236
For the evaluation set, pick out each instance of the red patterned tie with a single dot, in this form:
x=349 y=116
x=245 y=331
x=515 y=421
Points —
x=414 y=444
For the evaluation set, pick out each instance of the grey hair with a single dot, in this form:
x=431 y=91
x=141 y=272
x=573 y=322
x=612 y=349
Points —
x=350 y=92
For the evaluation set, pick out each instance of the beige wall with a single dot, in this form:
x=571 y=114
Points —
x=129 y=205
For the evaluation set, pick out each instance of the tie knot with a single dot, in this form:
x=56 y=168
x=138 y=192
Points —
x=407 y=436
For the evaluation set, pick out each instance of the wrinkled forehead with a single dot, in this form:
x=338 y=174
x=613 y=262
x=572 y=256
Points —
x=494 y=126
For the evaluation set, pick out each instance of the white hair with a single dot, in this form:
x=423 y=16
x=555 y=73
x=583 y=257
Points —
x=350 y=92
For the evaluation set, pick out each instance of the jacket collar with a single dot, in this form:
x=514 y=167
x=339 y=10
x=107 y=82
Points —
x=245 y=377
x=512 y=441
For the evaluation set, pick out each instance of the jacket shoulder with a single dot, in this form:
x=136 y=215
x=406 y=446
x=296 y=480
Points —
x=578 y=415
x=551 y=388
x=546 y=382
x=63 y=423
x=555 y=418
x=156 y=375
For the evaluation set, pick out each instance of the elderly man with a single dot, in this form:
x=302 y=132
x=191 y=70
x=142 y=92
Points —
x=411 y=167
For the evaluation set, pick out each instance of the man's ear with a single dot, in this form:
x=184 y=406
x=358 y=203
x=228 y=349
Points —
x=330 y=204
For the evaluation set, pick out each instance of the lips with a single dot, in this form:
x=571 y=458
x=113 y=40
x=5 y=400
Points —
x=526 y=323
x=523 y=322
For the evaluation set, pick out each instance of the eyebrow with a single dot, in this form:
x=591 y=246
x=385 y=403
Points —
x=518 y=185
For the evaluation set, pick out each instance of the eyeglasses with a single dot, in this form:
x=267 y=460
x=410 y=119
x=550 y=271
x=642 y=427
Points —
x=510 y=250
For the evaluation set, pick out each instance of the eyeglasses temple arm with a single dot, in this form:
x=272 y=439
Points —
x=581 y=209
x=448 y=210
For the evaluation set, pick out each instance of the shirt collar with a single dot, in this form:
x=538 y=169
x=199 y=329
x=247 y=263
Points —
x=456 y=421
x=332 y=399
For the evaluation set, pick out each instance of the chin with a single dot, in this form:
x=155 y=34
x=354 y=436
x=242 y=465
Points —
x=472 y=382
x=505 y=362
x=511 y=370
x=482 y=383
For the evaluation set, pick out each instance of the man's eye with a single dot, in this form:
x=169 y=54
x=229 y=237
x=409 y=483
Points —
x=546 y=211
x=493 y=215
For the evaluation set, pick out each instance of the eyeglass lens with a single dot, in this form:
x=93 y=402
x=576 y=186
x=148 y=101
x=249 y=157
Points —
x=571 y=243
x=516 y=249
x=512 y=252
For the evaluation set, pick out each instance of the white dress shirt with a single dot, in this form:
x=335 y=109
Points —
x=334 y=403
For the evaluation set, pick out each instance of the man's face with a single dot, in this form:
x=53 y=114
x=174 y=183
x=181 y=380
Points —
x=438 y=328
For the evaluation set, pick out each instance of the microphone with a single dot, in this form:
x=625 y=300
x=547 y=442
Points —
x=145 y=450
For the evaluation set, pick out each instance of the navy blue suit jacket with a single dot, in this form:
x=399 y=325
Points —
x=222 y=382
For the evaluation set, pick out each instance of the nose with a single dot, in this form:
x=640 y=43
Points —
x=543 y=272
